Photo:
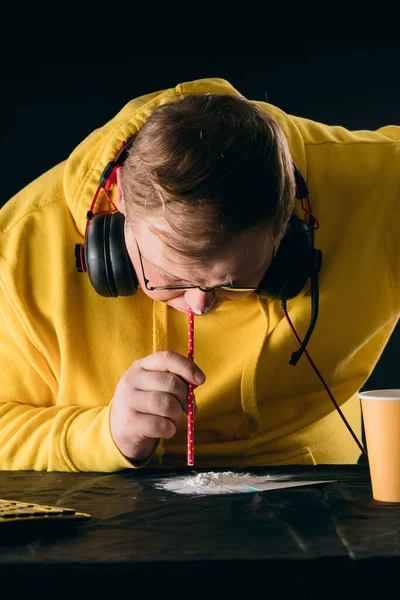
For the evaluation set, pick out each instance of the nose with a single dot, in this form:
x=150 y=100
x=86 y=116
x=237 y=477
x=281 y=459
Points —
x=199 y=301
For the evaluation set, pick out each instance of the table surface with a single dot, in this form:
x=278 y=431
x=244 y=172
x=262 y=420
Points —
x=330 y=539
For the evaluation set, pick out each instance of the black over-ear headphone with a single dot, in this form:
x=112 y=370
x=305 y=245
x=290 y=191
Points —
x=111 y=272
x=106 y=259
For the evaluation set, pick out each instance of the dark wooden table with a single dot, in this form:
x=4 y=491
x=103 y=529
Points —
x=329 y=540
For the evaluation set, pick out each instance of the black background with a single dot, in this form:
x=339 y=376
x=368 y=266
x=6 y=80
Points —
x=51 y=100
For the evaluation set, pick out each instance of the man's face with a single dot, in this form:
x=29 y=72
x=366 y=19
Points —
x=242 y=262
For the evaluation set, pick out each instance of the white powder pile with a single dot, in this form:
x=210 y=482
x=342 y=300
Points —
x=213 y=479
x=211 y=482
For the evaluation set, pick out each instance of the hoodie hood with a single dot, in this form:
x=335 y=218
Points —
x=87 y=162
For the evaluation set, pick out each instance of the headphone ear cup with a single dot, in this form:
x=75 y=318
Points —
x=292 y=266
x=106 y=257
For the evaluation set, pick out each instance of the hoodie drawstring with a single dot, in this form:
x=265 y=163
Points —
x=248 y=382
x=160 y=342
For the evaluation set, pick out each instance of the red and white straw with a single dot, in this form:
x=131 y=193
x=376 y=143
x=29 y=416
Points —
x=190 y=422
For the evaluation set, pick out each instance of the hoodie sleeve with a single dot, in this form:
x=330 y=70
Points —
x=359 y=168
x=35 y=434
x=392 y=132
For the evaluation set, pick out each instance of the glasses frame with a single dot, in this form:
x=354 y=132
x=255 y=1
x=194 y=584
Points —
x=189 y=287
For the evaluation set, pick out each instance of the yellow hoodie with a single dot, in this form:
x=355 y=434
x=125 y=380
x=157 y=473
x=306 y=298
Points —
x=63 y=347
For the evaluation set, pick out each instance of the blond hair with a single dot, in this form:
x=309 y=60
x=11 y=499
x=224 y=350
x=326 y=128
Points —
x=211 y=165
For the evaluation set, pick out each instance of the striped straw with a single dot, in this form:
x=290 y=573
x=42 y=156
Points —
x=190 y=422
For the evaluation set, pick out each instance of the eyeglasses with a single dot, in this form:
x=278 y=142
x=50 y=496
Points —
x=189 y=287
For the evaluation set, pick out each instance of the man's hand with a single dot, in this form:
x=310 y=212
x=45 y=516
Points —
x=149 y=402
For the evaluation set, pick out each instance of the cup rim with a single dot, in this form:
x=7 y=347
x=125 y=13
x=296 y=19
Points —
x=383 y=394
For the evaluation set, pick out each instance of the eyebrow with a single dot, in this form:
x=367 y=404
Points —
x=172 y=277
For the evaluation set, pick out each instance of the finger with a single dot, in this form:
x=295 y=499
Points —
x=154 y=427
x=164 y=384
x=173 y=362
x=158 y=381
x=159 y=404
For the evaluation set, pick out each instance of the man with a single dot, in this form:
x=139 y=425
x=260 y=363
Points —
x=195 y=198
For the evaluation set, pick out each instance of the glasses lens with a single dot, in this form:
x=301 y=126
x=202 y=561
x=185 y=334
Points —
x=237 y=289
x=221 y=287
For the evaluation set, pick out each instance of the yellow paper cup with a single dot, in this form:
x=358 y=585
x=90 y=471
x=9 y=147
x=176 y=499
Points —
x=381 y=414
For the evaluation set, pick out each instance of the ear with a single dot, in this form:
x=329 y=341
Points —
x=120 y=194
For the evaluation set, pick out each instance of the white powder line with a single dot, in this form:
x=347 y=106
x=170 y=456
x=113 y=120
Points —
x=213 y=482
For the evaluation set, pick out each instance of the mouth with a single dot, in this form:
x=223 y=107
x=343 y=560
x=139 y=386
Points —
x=185 y=308
x=212 y=305
x=217 y=300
